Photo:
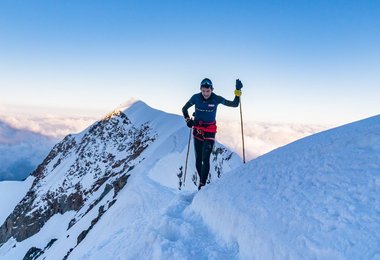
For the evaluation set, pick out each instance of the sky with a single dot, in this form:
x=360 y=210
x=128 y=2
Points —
x=300 y=61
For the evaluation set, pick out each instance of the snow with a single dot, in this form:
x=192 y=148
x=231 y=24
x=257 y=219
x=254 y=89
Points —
x=40 y=240
x=156 y=227
x=316 y=198
x=11 y=192
x=69 y=236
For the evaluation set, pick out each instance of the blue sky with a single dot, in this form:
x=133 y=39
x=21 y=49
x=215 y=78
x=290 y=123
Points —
x=300 y=61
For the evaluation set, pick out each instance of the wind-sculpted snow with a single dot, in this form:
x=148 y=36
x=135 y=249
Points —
x=317 y=198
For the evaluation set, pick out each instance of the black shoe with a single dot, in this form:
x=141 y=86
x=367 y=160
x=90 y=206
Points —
x=200 y=185
x=194 y=178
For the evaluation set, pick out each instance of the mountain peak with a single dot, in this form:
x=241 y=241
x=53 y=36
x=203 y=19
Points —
x=134 y=108
x=129 y=103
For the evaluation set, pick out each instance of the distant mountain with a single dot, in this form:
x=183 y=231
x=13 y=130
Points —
x=84 y=175
x=21 y=151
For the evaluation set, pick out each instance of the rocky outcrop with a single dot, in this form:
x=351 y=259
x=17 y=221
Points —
x=34 y=252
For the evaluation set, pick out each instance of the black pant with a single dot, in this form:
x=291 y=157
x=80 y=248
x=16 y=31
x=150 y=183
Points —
x=203 y=144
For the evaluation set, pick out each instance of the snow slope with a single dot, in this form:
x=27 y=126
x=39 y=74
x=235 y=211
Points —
x=11 y=192
x=316 y=198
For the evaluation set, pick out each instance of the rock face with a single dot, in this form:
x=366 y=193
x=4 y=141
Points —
x=75 y=169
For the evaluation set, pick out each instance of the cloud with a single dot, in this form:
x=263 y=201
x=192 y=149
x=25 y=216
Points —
x=56 y=127
x=21 y=151
x=261 y=137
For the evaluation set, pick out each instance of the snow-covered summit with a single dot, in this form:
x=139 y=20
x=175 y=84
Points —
x=130 y=102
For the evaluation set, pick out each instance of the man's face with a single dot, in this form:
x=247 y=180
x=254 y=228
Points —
x=206 y=92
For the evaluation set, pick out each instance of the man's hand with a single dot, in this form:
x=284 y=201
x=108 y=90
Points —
x=189 y=122
x=239 y=85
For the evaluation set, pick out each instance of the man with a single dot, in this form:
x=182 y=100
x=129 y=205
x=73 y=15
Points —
x=204 y=124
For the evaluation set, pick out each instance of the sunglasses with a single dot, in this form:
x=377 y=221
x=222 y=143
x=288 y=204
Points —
x=206 y=83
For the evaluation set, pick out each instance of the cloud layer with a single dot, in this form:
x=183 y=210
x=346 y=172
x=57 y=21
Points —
x=25 y=141
x=56 y=127
x=21 y=151
x=261 y=137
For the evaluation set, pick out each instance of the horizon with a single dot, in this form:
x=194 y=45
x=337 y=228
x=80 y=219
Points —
x=15 y=118
x=260 y=137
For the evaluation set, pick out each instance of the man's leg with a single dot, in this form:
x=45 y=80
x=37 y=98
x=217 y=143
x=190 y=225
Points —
x=198 y=148
x=208 y=145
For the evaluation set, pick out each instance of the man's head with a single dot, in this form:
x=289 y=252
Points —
x=206 y=88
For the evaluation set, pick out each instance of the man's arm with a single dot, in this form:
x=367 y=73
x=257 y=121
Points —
x=233 y=103
x=236 y=100
x=185 y=108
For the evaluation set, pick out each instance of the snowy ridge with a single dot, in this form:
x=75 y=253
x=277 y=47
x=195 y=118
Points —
x=81 y=179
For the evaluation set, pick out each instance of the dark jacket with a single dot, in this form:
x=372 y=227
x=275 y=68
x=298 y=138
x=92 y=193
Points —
x=205 y=109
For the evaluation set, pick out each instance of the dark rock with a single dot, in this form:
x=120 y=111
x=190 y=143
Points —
x=33 y=253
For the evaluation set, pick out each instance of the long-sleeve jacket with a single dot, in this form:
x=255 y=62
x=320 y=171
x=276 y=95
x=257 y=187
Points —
x=205 y=109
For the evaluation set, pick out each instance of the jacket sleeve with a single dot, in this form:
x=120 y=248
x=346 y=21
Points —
x=185 y=108
x=233 y=103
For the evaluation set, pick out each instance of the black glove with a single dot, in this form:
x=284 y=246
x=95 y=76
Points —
x=189 y=122
x=239 y=85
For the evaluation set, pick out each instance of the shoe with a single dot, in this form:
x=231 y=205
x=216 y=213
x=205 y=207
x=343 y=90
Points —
x=194 y=178
x=201 y=184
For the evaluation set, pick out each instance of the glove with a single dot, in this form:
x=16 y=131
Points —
x=239 y=85
x=189 y=122
x=237 y=92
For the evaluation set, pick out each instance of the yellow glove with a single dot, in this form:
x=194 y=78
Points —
x=237 y=92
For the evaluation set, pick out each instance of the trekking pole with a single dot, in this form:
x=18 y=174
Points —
x=187 y=157
x=242 y=132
